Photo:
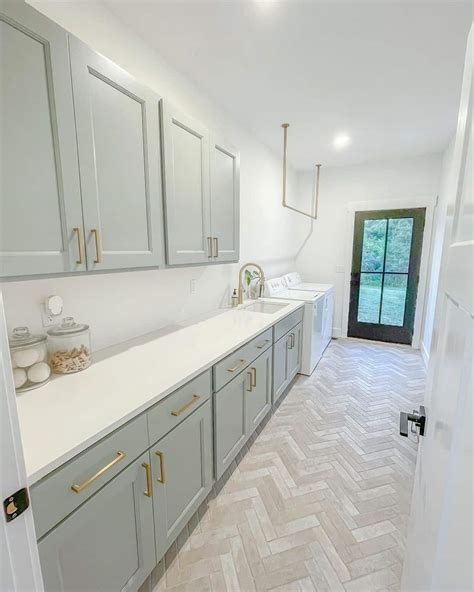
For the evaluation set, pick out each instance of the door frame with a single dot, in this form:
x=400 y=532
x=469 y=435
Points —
x=429 y=204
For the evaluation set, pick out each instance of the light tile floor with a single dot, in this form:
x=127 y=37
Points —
x=320 y=500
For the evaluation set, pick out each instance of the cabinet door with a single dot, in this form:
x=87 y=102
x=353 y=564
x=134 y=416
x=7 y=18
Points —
x=108 y=543
x=225 y=200
x=280 y=366
x=230 y=420
x=118 y=136
x=182 y=470
x=41 y=216
x=294 y=352
x=259 y=398
x=186 y=173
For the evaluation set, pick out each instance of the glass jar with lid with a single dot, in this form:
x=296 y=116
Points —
x=69 y=347
x=28 y=355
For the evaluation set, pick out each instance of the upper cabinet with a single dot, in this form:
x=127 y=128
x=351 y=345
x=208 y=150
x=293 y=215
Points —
x=40 y=214
x=84 y=147
x=118 y=138
x=225 y=200
x=201 y=193
x=186 y=171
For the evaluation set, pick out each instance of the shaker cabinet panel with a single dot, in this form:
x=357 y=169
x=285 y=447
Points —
x=280 y=366
x=118 y=134
x=230 y=420
x=186 y=173
x=41 y=216
x=225 y=200
x=294 y=352
x=108 y=543
x=182 y=471
x=259 y=398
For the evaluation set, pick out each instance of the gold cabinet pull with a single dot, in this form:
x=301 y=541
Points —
x=161 y=478
x=263 y=344
x=209 y=246
x=292 y=340
x=149 y=485
x=95 y=232
x=182 y=409
x=77 y=488
x=288 y=342
x=249 y=387
x=80 y=247
x=253 y=372
x=239 y=365
x=216 y=244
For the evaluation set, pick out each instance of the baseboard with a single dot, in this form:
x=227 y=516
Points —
x=424 y=354
x=336 y=332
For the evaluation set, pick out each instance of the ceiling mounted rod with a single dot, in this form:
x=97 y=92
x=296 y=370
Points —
x=317 y=168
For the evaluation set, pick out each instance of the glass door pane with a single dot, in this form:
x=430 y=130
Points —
x=370 y=292
x=394 y=299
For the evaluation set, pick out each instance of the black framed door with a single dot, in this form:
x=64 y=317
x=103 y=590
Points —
x=385 y=271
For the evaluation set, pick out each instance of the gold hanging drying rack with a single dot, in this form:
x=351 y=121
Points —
x=317 y=169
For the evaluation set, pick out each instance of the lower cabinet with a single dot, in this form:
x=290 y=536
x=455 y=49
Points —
x=239 y=407
x=286 y=360
x=108 y=543
x=182 y=475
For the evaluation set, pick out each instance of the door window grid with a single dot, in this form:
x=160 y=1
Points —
x=364 y=314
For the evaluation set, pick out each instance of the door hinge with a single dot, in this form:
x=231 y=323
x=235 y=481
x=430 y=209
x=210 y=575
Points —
x=16 y=504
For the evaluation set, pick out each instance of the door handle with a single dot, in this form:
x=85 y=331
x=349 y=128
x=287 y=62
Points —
x=149 y=487
x=216 y=244
x=209 y=246
x=161 y=478
x=355 y=279
x=77 y=488
x=77 y=232
x=95 y=232
x=249 y=388
x=417 y=417
x=253 y=379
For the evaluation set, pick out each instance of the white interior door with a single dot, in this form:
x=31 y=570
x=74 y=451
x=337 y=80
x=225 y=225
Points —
x=440 y=548
x=20 y=568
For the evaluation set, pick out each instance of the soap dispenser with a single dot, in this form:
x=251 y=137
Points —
x=235 y=298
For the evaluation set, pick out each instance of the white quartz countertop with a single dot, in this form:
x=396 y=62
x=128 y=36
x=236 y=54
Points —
x=72 y=412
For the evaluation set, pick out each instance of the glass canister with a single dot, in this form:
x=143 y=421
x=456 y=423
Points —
x=69 y=347
x=28 y=354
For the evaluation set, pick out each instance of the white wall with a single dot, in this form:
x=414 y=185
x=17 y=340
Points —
x=439 y=227
x=322 y=258
x=119 y=306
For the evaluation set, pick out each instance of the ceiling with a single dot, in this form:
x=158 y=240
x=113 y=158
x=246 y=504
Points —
x=386 y=73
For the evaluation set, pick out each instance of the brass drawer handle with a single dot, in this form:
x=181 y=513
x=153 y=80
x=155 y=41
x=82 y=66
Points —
x=80 y=247
x=209 y=246
x=249 y=387
x=288 y=342
x=186 y=406
x=149 y=485
x=239 y=365
x=98 y=258
x=263 y=344
x=292 y=340
x=253 y=381
x=216 y=244
x=78 y=488
x=161 y=478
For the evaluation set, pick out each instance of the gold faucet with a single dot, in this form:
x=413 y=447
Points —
x=240 y=291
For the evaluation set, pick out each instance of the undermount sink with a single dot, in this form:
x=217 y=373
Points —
x=265 y=307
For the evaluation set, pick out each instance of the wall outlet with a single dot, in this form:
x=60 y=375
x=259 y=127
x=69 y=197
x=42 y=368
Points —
x=51 y=310
x=192 y=286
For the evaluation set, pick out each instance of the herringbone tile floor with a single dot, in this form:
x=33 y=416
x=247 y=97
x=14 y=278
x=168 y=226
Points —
x=320 y=500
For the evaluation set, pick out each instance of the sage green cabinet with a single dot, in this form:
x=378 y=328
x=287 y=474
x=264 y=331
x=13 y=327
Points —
x=225 y=200
x=230 y=421
x=186 y=175
x=182 y=475
x=259 y=398
x=39 y=185
x=286 y=360
x=118 y=138
x=202 y=192
x=108 y=542
x=239 y=407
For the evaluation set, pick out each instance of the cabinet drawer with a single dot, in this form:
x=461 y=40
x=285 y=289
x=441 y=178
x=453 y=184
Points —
x=287 y=323
x=59 y=493
x=170 y=412
x=229 y=367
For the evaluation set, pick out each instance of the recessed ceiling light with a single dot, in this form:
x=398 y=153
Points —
x=341 y=141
